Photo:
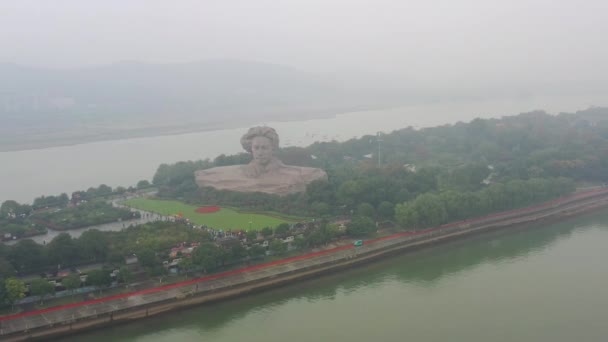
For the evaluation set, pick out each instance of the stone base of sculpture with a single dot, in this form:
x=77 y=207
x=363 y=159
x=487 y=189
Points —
x=281 y=181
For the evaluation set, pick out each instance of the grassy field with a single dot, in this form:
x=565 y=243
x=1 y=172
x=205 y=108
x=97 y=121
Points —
x=224 y=219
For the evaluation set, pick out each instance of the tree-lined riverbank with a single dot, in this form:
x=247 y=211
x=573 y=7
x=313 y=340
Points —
x=544 y=284
x=330 y=259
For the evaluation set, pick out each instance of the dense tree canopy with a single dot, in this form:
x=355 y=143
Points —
x=15 y=290
x=433 y=209
x=51 y=201
x=208 y=256
x=361 y=226
x=459 y=158
x=71 y=282
x=41 y=287
x=27 y=256
x=86 y=214
x=100 y=278
x=63 y=250
x=426 y=177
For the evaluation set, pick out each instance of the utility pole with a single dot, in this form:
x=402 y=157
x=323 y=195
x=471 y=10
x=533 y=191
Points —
x=379 y=140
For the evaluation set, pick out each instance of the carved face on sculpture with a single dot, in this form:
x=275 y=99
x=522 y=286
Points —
x=262 y=143
x=262 y=150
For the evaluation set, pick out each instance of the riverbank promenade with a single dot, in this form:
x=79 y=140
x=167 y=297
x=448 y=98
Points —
x=147 y=302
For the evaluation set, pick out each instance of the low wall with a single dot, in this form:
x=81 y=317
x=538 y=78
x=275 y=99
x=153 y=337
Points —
x=214 y=288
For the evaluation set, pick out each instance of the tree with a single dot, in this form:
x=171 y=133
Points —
x=27 y=256
x=427 y=210
x=321 y=235
x=3 y=296
x=320 y=191
x=10 y=207
x=465 y=178
x=365 y=209
x=99 y=278
x=62 y=250
x=104 y=190
x=142 y=184
x=282 y=230
x=257 y=251
x=266 y=231
x=278 y=247
x=41 y=287
x=125 y=275
x=300 y=242
x=348 y=193
x=51 y=201
x=120 y=190
x=63 y=200
x=251 y=235
x=320 y=208
x=158 y=271
x=94 y=245
x=71 y=282
x=186 y=265
x=361 y=225
x=207 y=256
x=146 y=257
x=15 y=290
x=6 y=269
x=386 y=210
x=236 y=253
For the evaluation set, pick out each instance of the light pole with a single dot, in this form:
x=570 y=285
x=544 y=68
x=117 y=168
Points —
x=379 y=140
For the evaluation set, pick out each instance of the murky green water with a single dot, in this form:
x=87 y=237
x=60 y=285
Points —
x=545 y=284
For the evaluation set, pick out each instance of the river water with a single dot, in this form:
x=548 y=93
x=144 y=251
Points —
x=25 y=175
x=548 y=284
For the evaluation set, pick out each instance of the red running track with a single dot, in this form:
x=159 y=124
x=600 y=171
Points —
x=301 y=257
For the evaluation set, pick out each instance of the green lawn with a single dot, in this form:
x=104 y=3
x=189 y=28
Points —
x=224 y=219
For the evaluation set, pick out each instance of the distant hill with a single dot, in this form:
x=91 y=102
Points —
x=41 y=107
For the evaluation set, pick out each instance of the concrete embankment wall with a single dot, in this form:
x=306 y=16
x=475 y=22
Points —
x=192 y=294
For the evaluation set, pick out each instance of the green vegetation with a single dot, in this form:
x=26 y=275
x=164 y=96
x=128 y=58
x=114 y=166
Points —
x=99 y=278
x=14 y=220
x=85 y=214
x=20 y=228
x=361 y=226
x=278 y=247
x=224 y=219
x=43 y=202
x=425 y=178
x=42 y=288
x=429 y=210
x=463 y=158
x=14 y=290
x=94 y=246
x=88 y=208
x=71 y=282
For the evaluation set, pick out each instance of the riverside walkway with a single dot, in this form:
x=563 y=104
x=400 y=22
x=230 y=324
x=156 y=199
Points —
x=112 y=307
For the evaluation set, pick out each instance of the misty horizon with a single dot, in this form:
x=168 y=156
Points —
x=476 y=43
x=112 y=69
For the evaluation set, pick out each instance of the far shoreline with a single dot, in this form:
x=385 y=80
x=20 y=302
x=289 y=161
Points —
x=493 y=107
x=168 y=130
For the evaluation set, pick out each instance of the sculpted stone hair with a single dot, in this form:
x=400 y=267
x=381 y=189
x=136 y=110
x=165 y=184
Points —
x=260 y=131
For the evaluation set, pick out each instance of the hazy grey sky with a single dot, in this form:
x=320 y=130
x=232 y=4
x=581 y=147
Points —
x=457 y=39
